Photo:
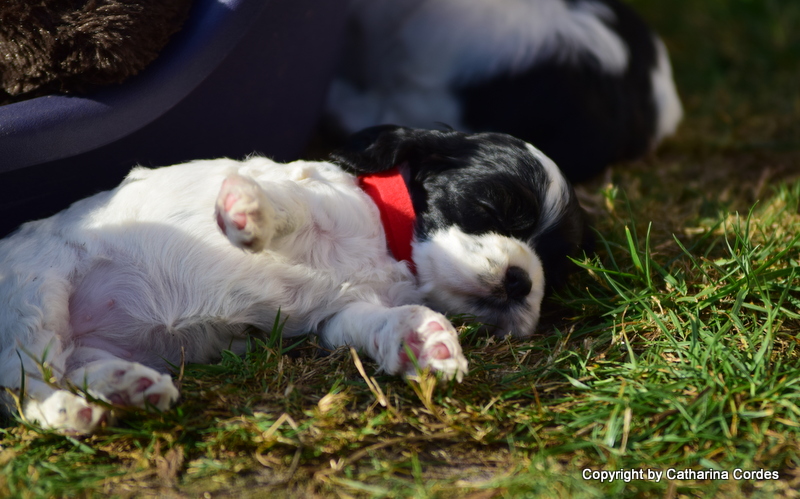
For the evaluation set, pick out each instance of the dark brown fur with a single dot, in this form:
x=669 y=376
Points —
x=74 y=46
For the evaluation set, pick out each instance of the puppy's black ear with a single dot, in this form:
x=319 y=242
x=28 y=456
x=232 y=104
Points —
x=375 y=149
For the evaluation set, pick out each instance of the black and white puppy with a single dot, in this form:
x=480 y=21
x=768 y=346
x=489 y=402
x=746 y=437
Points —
x=586 y=81
x=108 y=293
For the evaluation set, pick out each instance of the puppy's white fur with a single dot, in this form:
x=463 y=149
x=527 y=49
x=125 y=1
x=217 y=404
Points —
x=458 y=271
x=108 y=292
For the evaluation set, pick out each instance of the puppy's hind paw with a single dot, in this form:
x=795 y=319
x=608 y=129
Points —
x=131 y=384
x=244 y=214
x=67 y=413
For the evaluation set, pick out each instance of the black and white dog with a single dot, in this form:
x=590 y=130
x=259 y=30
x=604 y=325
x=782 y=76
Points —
x=184 y=258
x=585 y=81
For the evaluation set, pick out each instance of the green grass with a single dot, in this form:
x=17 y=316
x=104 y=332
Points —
x=675 y=347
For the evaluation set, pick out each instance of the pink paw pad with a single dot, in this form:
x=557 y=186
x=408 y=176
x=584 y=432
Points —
x=85 y=415
x=416 y=343
x=239 y=219
x=434 y=326
x=143 y=384
x=440 y=352
x=123 y=398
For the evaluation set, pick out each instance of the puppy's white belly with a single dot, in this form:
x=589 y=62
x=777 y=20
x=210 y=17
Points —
x=116 y=308
x=199 y=306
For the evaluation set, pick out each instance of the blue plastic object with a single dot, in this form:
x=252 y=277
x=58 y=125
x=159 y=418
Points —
x=241 y=77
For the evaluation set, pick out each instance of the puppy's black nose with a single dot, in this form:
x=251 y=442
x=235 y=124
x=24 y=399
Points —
x=517 y=283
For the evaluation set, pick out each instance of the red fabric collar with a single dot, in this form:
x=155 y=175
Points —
x=388 y=190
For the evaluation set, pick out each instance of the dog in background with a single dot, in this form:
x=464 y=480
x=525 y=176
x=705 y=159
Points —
x=586 y=81
x=110 y=292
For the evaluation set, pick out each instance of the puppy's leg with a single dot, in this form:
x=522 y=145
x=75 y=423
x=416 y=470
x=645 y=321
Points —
x=36 y=367
x=122 y=382
x=385 y=333
x=39 y=367
x=251 y=217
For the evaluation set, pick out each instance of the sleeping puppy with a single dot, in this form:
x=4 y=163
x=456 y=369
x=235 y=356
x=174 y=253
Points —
x=182 y=260
x=585 y=81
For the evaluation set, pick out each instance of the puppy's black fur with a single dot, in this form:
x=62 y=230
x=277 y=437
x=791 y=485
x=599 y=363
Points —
x=488 y=182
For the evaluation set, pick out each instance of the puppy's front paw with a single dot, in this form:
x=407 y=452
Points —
x=434 y=342
x=67 y=412
x=244 y=214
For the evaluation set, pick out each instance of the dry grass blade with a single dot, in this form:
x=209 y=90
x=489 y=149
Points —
x=371 y=383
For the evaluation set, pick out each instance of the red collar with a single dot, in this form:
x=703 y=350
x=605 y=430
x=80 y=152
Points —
x=388 y=190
